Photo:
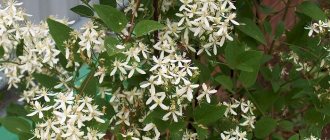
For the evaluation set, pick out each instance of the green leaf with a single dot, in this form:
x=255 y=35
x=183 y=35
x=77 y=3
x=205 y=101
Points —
x=312 y=10
x=60 y=33
x=25 y=136
x=249 y=61
x=225 y=81
x=83 y=10
x=202 y=131
x=294 y=137
x=16 y=125
x=280 y=28
x=252 y=30
x=265 y=99
x=89 y=86
x=161 y=124
x=248 y=78
x=286 y=125
x=112 y=3
x=312 y=116
x=175 y=127
x=268 y=27
x=204 y=71
x=264 y=127
x=155 y=114
x=20 y=48
x=112 y=17
x=111 y=43
x=44 y=80
x=207 y=114
x=277 y=136
x=146 y=26
x=232 y=52
x=16 y=110
x=2 y=51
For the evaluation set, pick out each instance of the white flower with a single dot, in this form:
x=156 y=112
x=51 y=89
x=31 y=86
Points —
x=249 y=121
x=150 y=126
x=313 y=27
x=63 y=99
x=133 y=52
x=240 y=135
x=188 y=89
x=63 y=82
x=187 y=67
x=151 y=82
x=64 y=113
x=230 y=108
x=143 y=49
x=230 y=3
x=79 y=118
x=206 y=93
x=39 y=109
x=100 y=72
x=123 y=118
x=119 y=65
x=90 y=38
x=184 y=17
x=120 y=47
x=86 y=101
x=50 y=125
x=43 y=93
x=247 y=106
x=312 y=138
x=173 y=112
x=104 y=91
x=158 y=99
x=231 y=18
x=130 y=95
x=226 y=137
x=160 y=63
x=73 y=133
x=189 y=135
x=93 y=134
x=133 y=68
x=95 y=114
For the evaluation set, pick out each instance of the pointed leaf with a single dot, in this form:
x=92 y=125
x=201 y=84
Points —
x=146 y=26
x=264 y=127
x=225 y=81
x=113 y=18
x=83 y=10
x=251 y=29
x=60 y=33
x=312 y=10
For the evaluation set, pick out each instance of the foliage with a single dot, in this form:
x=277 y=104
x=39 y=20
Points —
x=185 y=69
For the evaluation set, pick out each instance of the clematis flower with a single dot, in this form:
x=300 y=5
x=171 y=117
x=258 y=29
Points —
x=39 y=109
x=206 y=93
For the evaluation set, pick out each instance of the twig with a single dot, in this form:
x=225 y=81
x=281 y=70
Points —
x=130 y=30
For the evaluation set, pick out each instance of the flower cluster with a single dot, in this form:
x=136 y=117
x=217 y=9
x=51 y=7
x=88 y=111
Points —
x=320 y=27
x=246 y=111
x=140 y=82
x=236 y=134
x=66 y=117
x=210 y=21
x=29 y=49
x=245 y=114
x=91 y=40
